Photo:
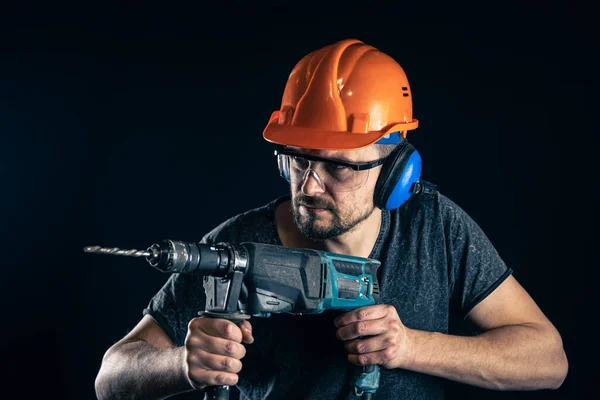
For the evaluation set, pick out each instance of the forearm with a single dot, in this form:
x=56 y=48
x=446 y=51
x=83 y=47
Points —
x=516 y=357
x=138 y=370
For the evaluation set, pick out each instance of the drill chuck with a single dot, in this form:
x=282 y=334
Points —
x=174 y=256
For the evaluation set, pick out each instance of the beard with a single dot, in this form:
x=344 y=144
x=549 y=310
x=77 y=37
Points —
x=307 y=224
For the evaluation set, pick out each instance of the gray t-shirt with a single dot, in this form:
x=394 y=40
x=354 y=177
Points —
x=436 y=265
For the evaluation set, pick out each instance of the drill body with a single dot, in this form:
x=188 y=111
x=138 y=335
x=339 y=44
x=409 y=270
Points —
x=254 y=279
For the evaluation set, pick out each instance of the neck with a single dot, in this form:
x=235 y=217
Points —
x=357 y=242
x=360 y=240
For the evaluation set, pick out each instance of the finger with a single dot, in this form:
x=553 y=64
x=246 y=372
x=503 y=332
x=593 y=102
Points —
x=202 y=378
x=368 y=345
x=375 y=358
x=246 y=328
x=362 y=314
x=363 y=328
x=199 y=358
x=217 y=327
x=215 y=345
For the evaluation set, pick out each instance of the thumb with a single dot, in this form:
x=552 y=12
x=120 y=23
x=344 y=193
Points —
x=246 y=328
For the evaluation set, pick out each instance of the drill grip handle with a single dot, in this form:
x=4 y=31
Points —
x=221 y=392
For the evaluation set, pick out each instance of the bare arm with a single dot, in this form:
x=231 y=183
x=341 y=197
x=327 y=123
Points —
x=519 y=350
x=146 y=365
x=142 y=365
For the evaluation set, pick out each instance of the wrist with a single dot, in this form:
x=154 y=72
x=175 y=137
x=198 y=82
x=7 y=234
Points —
x=184 y=372
x=410 y=348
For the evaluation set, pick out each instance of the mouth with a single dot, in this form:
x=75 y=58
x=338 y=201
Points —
x=313 y=209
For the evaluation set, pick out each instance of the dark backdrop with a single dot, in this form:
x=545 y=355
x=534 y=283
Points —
x=123 y=127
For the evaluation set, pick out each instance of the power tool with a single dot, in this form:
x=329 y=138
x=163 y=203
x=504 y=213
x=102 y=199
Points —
x=255 y=279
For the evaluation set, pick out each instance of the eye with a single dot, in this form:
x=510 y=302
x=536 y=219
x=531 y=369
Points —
x=338 y=171
x=338 y=167
x=300 y=162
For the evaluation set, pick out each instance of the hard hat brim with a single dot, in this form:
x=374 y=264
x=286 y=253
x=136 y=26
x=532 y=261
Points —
x=315 y=139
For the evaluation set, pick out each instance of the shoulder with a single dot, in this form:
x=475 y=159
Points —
x=430 y=207
x=430 y=198
x=250 y=225
x=444 y=215
x=425 y=204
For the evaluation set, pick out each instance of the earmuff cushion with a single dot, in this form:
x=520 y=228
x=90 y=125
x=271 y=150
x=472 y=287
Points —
x=398 y=173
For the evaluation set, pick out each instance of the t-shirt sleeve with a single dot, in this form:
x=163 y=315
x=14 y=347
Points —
x=177 y=303
x=475 y=267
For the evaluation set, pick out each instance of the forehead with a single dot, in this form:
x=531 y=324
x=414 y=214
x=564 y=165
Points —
x=364 y=154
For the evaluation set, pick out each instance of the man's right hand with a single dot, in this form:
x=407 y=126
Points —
x=213 y=350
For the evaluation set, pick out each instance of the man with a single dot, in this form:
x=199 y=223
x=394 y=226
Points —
x=355 y=189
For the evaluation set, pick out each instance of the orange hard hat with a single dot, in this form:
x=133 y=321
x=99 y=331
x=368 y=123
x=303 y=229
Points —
x=344 y=96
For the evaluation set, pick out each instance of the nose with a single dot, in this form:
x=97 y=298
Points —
x=312 y=184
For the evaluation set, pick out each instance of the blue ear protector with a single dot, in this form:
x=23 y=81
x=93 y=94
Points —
x=399 y=173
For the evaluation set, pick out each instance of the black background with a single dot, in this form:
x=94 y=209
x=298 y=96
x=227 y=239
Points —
x=124 y=126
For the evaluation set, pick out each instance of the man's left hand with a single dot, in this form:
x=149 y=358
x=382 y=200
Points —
x=374 y=335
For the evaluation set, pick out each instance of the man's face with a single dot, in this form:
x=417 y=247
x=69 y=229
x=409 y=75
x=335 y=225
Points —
x=320 y=210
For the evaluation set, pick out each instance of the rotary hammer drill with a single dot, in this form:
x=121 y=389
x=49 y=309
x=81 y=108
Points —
x=253 y=279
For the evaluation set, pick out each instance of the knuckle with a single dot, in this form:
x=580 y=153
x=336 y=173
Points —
x=362 y=314
x=361 y=347
x=361 y=328
x=227 y=363
x=246 y=325
x=191 y=360
x=230 y=347
x=228 y=328
x=231 y=365
x=232 y=331
x=363 y=360
x=194 y=323
x=193 y=341
x=392 y=340
x=388 y=354
x=220 y=379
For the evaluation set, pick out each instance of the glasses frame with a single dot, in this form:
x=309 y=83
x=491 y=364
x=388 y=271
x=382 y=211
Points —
x=355 y=166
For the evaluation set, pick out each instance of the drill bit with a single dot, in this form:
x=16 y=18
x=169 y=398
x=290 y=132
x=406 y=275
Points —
x=116 y=251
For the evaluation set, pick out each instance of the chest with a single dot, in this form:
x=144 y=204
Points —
x=414 y=279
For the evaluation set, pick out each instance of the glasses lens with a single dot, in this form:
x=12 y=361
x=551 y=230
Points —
x=335 y=177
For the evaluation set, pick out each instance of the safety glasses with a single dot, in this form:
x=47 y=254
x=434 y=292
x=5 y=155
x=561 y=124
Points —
x=335 y=175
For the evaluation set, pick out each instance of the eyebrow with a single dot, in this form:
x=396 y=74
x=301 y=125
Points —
x=346 y=160
x=339 y=159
